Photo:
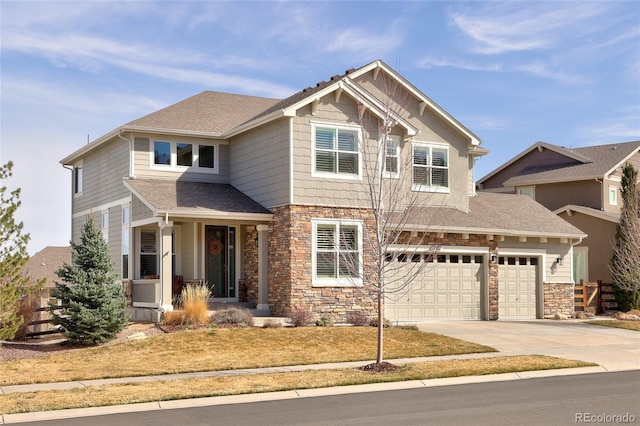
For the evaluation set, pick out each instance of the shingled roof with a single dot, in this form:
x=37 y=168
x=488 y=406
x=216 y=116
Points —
x=500 y=214
x=194 y=198
x=46 y=262
x=208 y=112
x=597 y=161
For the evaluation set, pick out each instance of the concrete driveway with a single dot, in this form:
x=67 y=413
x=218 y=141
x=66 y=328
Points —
x=612 y=348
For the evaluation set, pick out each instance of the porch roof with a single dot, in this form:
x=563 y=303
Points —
x=196 y=199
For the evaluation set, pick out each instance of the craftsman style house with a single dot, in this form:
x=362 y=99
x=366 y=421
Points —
x=263 y=199
x=581 y=185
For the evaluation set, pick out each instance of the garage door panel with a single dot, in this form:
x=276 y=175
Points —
x=445 y=290
x=517 y=278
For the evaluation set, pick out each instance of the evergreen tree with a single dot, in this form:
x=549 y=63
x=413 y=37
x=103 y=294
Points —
x=625 y=261
x=15 y=287
x=93 y=304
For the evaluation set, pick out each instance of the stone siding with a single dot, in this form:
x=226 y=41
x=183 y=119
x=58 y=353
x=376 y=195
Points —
x=250 y=264
x=558 y=299
x=290 y=264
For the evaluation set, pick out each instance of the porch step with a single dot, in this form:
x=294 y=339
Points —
x=216 y=306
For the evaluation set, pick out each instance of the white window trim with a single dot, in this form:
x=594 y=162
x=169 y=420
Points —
x=336 y=282
x=424 y=188
x=387 y=174
x=344 y=176
x=195 y=167
x=139 y=254
x=613 y=195
x=78 y=192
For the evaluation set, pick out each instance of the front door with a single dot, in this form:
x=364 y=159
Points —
x=219 y=260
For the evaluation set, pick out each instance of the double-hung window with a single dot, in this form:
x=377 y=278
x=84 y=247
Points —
x=337 y=253
x=181 y=156
x=78 y=178
x=105 y=225
x=392 y=157
x=613 y=195
x=430 y=169
x=125 y=241
x=148 y=254
x=336 y=151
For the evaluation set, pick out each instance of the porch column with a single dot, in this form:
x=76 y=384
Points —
x=263 y=269
x=166 y=273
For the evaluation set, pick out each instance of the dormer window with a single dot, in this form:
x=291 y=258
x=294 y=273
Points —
x=182 y=156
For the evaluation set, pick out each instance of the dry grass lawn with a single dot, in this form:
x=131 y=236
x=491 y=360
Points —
x=227 y=349
x=256 y=383
x=626 y=324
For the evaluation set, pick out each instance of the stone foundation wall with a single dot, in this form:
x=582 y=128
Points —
x=558 y=299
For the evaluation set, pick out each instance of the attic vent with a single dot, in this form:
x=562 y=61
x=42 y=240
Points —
x=613 y=148
x=335 y=77
x=320 y=83
x=350 y=70
x=306 y=89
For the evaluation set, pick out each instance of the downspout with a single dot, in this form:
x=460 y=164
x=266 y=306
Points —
x=131 y=154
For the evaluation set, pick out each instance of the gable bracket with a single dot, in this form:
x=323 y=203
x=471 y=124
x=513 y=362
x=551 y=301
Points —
x=423 y=105
x=338 y=94
x=314 y=105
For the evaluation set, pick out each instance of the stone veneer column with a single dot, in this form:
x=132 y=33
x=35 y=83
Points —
x=263 y=268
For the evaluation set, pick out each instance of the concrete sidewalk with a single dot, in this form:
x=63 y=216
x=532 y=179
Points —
x=613 y=349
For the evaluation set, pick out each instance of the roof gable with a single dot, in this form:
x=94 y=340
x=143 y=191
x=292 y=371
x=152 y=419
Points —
x=580 y=164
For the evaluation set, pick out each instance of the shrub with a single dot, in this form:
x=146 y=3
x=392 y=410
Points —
x=358 y=318
x=385 y=323
x=173 y=318
x=300 y=317
x=195 y=300
x=272 y=324
x=325 y=321
x=233 y=316
x=412 y=327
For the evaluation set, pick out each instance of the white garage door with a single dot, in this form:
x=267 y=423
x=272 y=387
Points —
x=447 y=287
x=517 y=282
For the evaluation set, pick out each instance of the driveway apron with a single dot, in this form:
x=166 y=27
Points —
x=612 y=348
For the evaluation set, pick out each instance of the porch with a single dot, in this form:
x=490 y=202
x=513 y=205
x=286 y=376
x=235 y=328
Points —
x=193 y=232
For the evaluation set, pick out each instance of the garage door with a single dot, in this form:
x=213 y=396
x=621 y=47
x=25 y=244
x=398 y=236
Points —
x=447 y=287
x=517 y=282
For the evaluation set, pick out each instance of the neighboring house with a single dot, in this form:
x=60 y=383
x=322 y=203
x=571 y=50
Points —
x=45 y=263
x=581 y=185
x=242 y=192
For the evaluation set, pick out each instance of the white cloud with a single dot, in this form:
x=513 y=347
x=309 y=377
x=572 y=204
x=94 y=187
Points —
x=623 y=125
x=499 y=27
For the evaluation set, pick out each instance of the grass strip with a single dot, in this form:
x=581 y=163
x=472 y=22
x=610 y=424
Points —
x=626 y=324
x=117 y=394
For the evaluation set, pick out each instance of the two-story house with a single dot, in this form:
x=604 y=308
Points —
x=581 y=185
x=263 y=199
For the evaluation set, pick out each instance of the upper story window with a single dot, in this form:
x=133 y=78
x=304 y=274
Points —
x=392 y=157
x=78 y=178
x=181 y=156
x=529 y=191
x=337 y=253
x=105 y=225
x=430 y=171
x=613 y=195
x=336 y=151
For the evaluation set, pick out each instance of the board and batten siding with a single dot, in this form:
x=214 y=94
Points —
x=143 y=169
x=103 y=172
x=259 y=163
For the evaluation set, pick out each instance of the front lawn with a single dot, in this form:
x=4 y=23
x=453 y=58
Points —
x=227 y=349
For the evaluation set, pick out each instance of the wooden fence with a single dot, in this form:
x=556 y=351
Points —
x=595 y=297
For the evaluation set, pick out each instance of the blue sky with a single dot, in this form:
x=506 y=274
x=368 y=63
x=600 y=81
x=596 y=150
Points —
x=515 y=73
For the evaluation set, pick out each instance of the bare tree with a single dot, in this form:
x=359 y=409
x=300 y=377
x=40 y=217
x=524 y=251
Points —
x=397 y=237
x=625 y=260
